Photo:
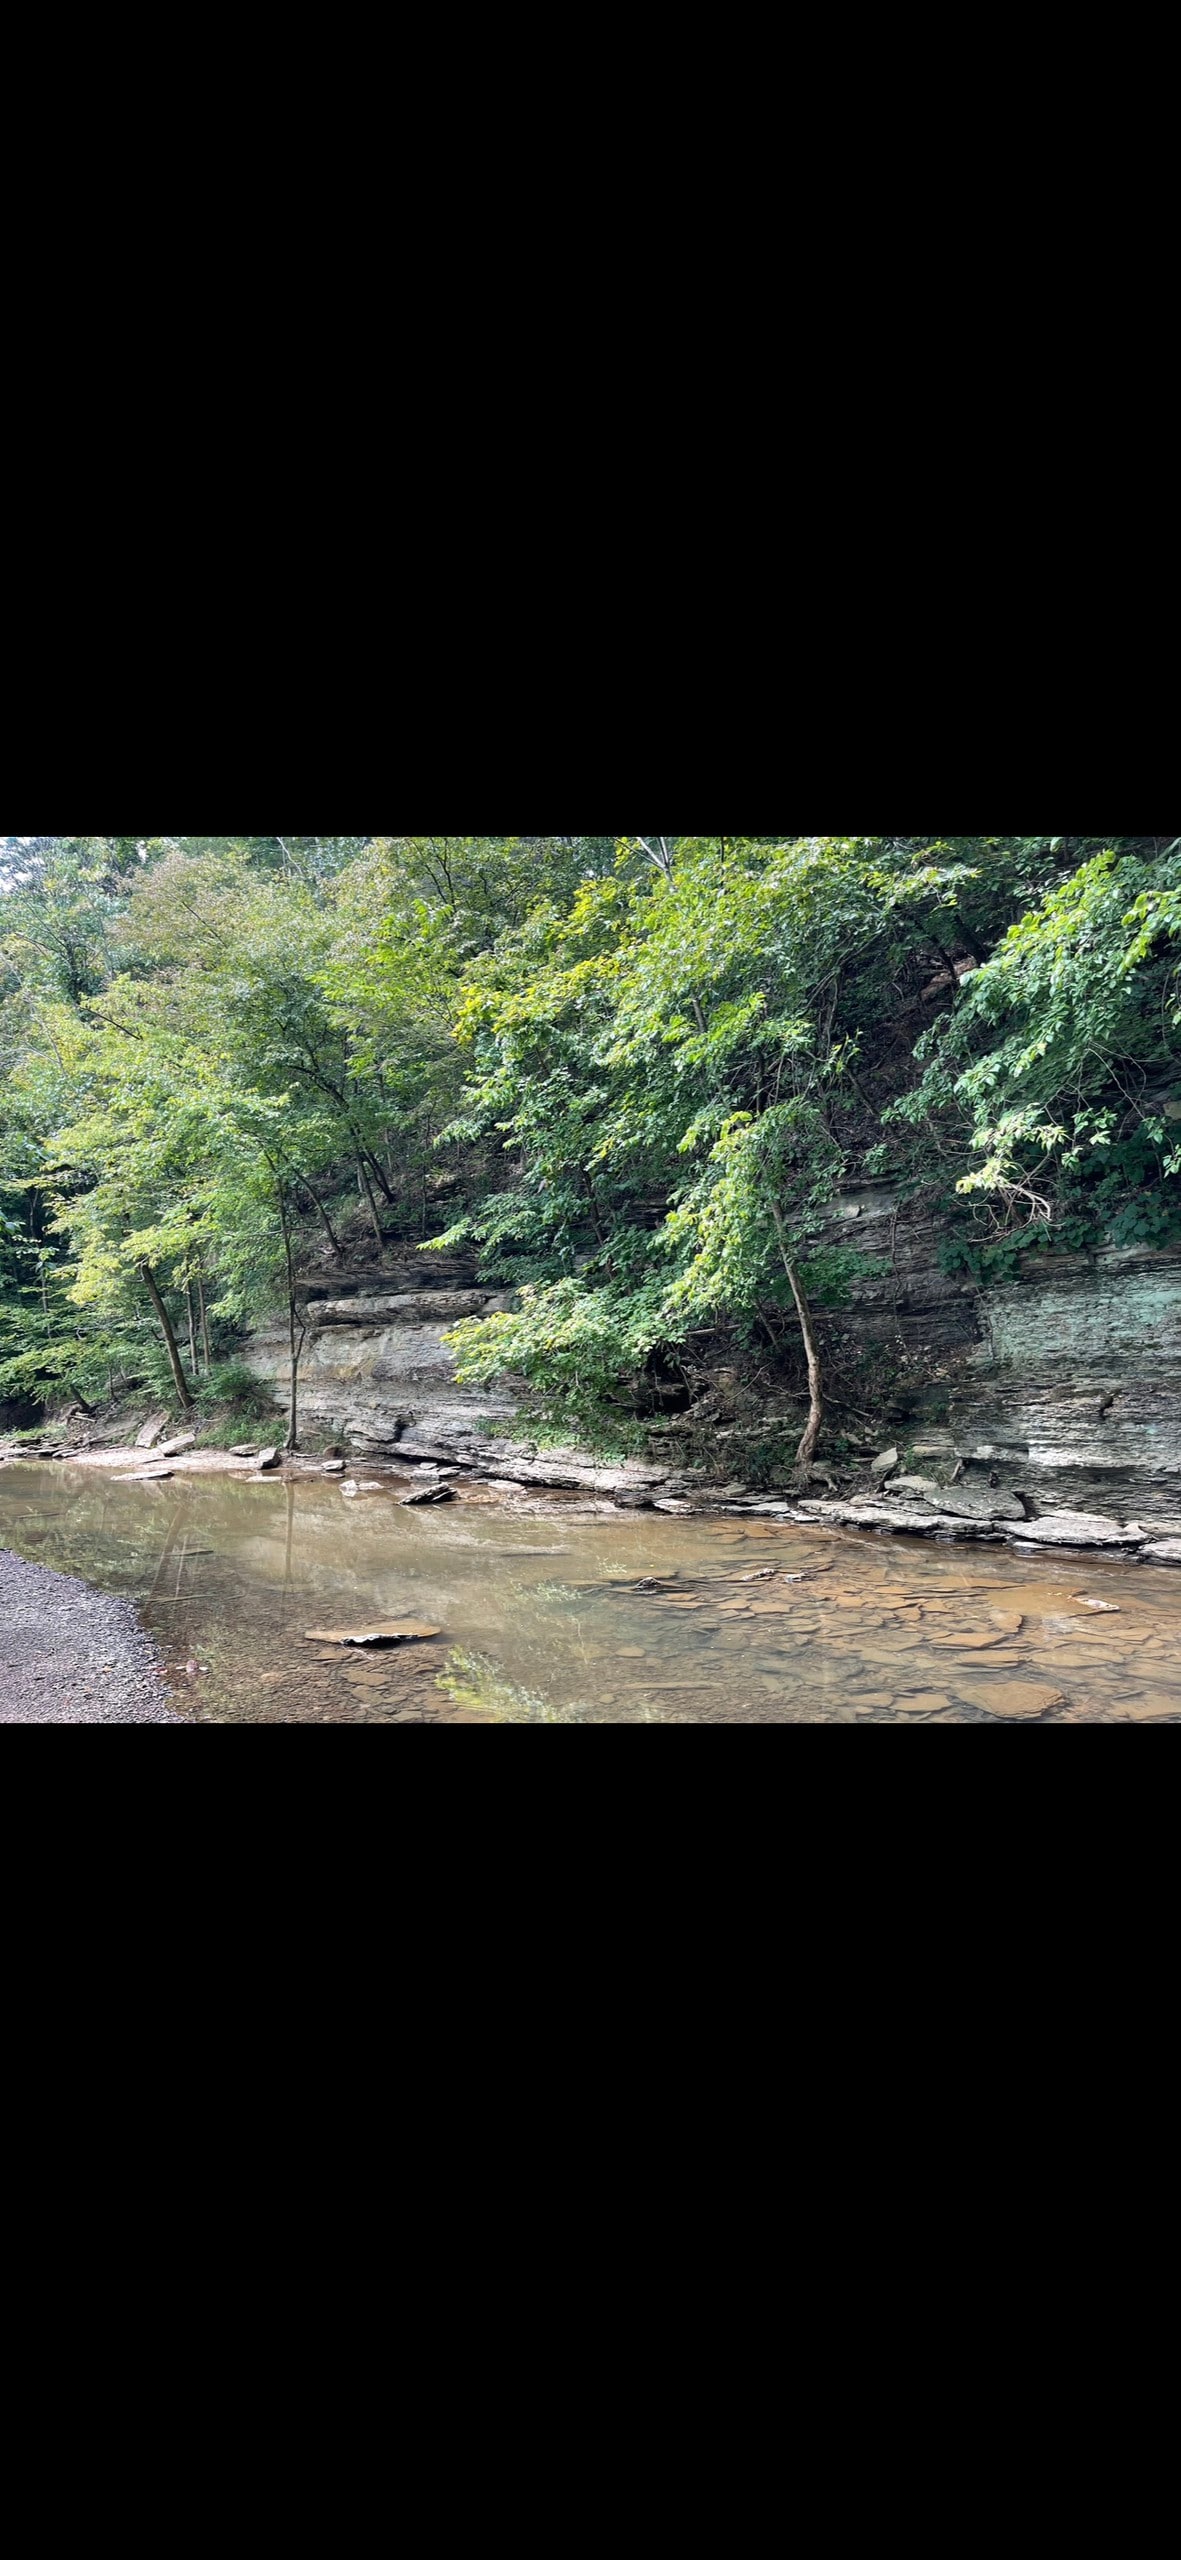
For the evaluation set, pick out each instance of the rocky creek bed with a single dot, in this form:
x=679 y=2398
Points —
x=554 y=1606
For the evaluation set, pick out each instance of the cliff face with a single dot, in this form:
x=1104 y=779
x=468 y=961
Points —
x=1077 y=1384
x=1063 y=1385
x=374 y=1370
x=376 y=1374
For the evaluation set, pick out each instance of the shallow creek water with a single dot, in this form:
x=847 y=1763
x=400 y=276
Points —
x=551 y=1613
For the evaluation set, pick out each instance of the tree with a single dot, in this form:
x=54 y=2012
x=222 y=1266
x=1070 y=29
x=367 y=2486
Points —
x=685 y=1012
x=642 y=1066
x=1058 y=1062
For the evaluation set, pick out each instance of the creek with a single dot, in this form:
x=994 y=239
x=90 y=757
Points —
x=549 y=1611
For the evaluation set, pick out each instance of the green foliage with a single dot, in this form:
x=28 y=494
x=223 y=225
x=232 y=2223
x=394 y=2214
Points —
x=1062 y=1058
x=639 y=1069
x=230 y=1382
x=989 y=1265
x=581 y=1347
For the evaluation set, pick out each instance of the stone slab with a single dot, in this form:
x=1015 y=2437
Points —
x=1076 y=1529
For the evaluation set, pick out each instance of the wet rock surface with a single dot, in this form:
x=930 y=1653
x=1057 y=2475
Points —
x=1079 y=1529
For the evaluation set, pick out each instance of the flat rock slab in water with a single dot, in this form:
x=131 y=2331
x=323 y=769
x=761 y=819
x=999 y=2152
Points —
x=145 y=1475
x=896 y=1515
x=428 y=1493
x=1162 y=1551
x=387 y=1631
x=1077 y=1529
x=1009 y=1697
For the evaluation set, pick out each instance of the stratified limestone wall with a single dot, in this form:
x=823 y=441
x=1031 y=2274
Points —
x=1065 y=1384
x=1077 y=1389
x=375 y=1372
x=909 y=1300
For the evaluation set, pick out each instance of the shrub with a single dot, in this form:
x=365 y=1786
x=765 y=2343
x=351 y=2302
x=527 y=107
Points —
x=232 y=1383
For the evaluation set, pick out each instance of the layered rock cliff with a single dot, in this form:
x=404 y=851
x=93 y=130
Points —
x=1063 y=1383
x=374 y=1372
x=1062 y=1386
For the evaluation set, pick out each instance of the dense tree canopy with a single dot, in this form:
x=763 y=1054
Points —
x=627 y=1075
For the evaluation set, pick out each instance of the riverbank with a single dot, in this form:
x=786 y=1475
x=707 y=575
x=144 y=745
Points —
x=73 y=1655
x=883 y=1497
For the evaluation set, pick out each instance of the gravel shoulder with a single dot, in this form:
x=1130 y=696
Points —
x=72 y=1655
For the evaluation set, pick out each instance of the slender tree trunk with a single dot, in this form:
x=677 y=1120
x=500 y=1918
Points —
x=367 y=1187
x=296 y=1331
x=811 y=1434
x=192 y=1328
x=318 y=1205
x=292 y=1440
x=383 y=1185
x=204 y=1322
x=175 y=1363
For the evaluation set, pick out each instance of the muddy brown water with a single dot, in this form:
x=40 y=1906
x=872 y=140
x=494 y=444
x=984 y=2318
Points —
x=551 y=1613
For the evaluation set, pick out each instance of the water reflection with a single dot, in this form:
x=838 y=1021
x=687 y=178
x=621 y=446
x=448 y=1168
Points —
x=553 y=1616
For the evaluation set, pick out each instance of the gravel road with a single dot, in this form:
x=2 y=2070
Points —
x=70 y=1655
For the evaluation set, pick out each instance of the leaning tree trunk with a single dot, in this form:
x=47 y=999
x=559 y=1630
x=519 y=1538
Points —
x=811 y=1434
x=148 y=1276
x=367 y=1193
x=318 y=1206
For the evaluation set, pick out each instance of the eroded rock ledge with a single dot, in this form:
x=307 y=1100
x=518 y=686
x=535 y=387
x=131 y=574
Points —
x=1063 y=1403
x=1088 y=1529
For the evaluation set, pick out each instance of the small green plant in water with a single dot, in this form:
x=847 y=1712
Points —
x=476 y=1683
